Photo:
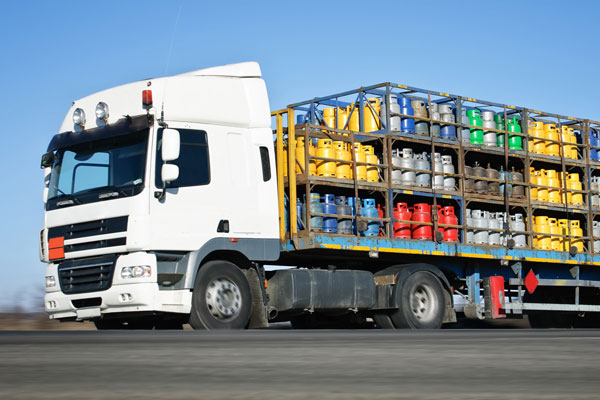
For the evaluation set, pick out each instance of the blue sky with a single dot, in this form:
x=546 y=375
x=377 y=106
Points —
x=540 y=54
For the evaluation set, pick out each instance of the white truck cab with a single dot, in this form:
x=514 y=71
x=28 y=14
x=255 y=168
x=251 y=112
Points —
x=146 y=182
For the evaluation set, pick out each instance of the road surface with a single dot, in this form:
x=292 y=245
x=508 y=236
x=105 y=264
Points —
x=287 y=364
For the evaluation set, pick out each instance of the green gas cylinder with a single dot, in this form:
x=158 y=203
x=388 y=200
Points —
x=475 y=120
x=499 y=119
x=514 y=142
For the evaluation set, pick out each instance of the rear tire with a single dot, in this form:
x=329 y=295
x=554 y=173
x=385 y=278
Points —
x=222 y=298
x=421 y=303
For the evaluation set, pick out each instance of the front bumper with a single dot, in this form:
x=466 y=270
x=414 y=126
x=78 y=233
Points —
x=133 y=297
x=123 y=295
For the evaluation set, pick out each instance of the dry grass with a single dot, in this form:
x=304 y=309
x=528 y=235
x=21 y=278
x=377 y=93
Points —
x=39 y=321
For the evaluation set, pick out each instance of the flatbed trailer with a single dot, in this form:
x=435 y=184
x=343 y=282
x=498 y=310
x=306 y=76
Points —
x=496 y=281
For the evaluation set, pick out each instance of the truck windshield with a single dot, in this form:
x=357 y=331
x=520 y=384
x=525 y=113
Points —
x=84 y=171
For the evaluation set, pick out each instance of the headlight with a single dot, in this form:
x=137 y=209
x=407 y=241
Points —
x=79 y=117
x=139 y=271
x=102 y=111
x=50 y=281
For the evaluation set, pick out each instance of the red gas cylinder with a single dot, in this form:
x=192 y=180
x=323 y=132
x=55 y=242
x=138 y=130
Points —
x=439 y=218
x=421 y=213
x=448 y=217
x=402 y=229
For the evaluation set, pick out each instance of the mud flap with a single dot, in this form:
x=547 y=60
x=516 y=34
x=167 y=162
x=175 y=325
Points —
x=450 y=315
x=258 y=317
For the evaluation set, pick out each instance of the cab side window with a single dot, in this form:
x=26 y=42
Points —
x=193 y=161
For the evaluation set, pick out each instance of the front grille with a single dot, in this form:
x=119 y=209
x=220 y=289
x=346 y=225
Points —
x=91 y=228
x=88 y=275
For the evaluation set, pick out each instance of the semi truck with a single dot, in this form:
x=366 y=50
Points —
x=166 y=201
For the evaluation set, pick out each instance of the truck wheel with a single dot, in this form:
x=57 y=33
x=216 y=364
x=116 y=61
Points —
x=221 y=298
x=420 y=300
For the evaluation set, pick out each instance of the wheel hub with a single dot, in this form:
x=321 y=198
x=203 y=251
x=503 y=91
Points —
x=423 y=304
x=223 y=299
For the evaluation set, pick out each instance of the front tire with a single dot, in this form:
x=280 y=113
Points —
x=222 y=298
x=421 y=303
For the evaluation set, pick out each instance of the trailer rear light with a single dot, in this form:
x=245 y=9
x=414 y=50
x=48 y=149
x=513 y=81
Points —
x=147 y=98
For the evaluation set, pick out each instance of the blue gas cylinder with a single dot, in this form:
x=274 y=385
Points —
x=315 y=206
x=594 y=141
x=407 y=125
x=369 y=210
x=354 y=203
x=344 y=225
x=287 y=214
x=448 y=132
x=329 y=207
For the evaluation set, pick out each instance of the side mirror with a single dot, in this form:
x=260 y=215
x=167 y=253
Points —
x=170 y=145
x=48 y=160
x=169 y=172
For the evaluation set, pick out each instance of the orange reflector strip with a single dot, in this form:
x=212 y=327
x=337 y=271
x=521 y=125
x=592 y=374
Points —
x=56 y=242
x=54 y=254
x=233 y=240
x=265 y=283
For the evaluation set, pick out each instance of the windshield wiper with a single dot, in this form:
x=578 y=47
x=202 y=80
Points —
x=69 y=199
x=111 y=191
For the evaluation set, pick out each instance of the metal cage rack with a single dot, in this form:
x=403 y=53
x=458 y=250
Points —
x=295 y=179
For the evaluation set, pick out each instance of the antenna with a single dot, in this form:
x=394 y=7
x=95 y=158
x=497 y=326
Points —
x=162 y=111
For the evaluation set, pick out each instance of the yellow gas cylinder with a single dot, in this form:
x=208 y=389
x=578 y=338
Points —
x=370 y=119
x=544 y=242
x=360 y=157
x=550 y=132
x=576 y=234
x=540 y=179
x=354 y=124
x=371 y=114
x=329 y=117
x=553 y=180
x=573 y=183
x=555 y=230
x=325 y=149
x=342 y=117
x=372 y=171
x=300 y=166
x=342 y=170
x=563 y=225
x=533 y=180
x=574 y=149
x=312 y=164
x=534 y=229
x=537 y=145
x=568 y=136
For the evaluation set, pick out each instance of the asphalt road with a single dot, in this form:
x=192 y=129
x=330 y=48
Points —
x=287 y=364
